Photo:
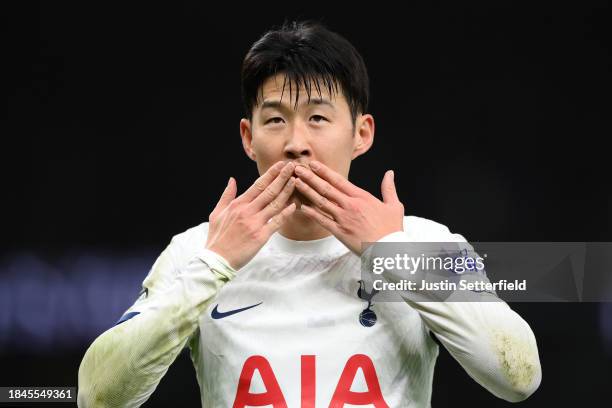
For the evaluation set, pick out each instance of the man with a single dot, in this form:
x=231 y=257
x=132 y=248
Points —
x=267 y=294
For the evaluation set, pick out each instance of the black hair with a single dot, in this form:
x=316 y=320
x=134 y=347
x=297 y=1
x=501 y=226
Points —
x=308 y=54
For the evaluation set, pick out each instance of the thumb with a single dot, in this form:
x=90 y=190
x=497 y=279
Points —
x=387 y=188
x=228 y=195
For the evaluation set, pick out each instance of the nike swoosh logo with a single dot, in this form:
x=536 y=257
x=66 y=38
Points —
x=216 y=314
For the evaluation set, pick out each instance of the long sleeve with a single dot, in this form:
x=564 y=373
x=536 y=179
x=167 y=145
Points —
x=124 y=365
x=494 y=345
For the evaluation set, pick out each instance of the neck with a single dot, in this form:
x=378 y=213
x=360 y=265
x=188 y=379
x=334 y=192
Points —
x=300 y=227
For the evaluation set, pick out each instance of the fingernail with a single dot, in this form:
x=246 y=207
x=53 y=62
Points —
x=299 y=170
x=229 y=182
x=314 y=165
x=392 y=175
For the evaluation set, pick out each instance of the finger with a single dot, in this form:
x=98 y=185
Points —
x=262 y=182
x=323 y=187
x=335 y=179
x=278 y=220
x=277 y=205
x=228 y=195
x=387 y=188
x=272 y=191
x=317 y=199
x=324 y=220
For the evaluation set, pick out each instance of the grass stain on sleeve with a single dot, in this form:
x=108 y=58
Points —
x=516 y=358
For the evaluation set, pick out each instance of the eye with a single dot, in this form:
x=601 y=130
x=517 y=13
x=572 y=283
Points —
x=318 y=118
x=274 y=120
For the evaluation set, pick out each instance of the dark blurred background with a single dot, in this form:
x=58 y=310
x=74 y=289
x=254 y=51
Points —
x=120 y=130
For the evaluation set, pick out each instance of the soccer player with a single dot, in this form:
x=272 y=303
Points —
x=267 y=294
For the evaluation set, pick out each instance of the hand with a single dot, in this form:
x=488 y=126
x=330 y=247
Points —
x=239 y=227
x=350 y=213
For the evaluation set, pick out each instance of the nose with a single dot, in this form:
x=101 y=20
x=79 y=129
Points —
x=298 y=143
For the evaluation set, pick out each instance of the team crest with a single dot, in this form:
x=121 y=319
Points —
x=367 y=317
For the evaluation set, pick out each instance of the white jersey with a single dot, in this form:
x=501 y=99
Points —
x=291 y=329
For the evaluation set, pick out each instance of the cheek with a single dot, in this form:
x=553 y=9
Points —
x=337 y=153
x=267 y=153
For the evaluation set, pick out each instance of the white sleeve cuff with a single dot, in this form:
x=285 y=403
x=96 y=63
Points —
x=216 y=263
x=399 y=236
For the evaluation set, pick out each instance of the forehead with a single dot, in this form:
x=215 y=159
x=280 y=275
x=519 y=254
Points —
x=279 y=88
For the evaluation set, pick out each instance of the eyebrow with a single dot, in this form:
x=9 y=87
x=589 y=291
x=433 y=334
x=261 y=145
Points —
x=313 y=101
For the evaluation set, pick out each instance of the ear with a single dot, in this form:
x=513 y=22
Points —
x=364 y=135
x=247 y=138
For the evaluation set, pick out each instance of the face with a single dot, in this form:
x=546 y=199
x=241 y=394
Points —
x=321 y=129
